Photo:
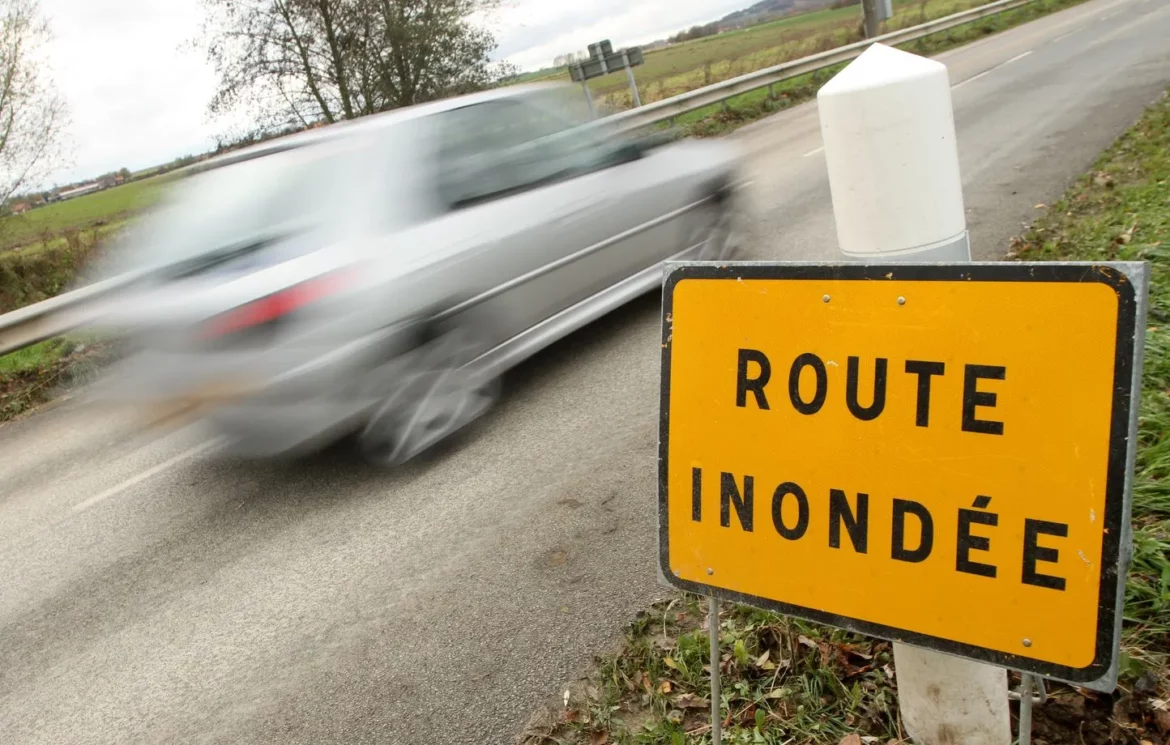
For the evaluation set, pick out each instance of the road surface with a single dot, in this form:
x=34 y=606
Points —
x=155 y=592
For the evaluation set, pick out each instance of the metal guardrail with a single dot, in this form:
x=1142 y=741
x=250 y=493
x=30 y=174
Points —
x=64 y=313
x=58 y=315
x=700 y=98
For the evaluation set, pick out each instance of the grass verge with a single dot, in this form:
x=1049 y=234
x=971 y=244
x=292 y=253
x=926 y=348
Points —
x=34 y=375
x=791 y=682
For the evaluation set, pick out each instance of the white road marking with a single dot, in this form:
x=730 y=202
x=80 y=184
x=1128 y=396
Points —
x=1063 y=36
x=973 y=78
x=813 y=152
x=134 y=480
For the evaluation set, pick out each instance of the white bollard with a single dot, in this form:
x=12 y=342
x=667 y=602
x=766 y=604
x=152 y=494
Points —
x=889 y=138
x=893 y=162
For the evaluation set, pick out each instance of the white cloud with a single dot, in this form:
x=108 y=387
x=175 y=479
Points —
x=533 y=32
x=137 y=99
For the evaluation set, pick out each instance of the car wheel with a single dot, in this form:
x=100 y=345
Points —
x=442 y=394
x=718 y=240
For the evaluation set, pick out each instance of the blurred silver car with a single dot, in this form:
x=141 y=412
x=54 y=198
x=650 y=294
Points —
x=375 y=278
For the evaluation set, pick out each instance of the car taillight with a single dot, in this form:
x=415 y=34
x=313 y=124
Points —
x=271 y=308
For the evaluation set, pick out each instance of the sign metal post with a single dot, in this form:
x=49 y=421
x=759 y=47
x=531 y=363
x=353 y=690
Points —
x=716 y=694
x=604 y=60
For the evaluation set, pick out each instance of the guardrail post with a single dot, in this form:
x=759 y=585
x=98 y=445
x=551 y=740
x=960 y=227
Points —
x=890 y=148
x=869 y=18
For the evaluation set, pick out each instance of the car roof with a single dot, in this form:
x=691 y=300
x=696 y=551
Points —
x=372 y=122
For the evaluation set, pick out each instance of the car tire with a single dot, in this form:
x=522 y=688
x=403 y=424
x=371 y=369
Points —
x=717 y=237
x=441 y=392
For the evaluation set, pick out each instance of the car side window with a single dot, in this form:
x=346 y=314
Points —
x=496 y=148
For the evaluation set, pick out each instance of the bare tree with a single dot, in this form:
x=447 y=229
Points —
x=32 y=114
x=300 y=62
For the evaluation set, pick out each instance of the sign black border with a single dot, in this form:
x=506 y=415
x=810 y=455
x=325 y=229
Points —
x=1119 y=441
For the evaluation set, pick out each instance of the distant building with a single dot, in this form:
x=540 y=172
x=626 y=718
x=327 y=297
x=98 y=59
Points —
x=80 y=190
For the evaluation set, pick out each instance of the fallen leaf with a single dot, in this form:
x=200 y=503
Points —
x=806 y=641
x=869 y=739
x=571 y=715
x=1040 y=206
x=851 y=739
x=763 y=659
x=664 y=687
x=690 y=701
x=859 y=653
x=1162 y=720
x=1103 y=179
x=669 y=662
x=665 y=643
x=599 y=738
x=774 y=694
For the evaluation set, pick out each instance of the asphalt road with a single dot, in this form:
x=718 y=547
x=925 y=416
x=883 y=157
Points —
x=155 y=592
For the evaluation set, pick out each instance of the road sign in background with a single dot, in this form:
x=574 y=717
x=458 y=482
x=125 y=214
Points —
x=602 y=61
x=928 y=453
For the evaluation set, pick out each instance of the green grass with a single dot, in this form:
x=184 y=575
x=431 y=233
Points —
x=34 y=375
x=35 y=226
x=787 y=681
x=1121 y=210
x=34 y=357
x=784 y=681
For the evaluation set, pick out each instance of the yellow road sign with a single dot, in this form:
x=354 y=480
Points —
x=932 y=454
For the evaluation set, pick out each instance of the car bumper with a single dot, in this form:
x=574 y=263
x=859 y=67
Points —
x=280 y=402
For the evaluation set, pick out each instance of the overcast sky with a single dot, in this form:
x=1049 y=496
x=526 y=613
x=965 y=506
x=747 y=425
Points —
x=137 y=98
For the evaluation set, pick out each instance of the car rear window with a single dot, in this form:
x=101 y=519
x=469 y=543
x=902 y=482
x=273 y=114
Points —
x=261 y=198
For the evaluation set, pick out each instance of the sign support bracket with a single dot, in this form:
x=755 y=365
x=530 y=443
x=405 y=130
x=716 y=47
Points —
x=1027 y=701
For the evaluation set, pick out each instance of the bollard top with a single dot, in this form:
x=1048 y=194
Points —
x=892 y=158
x=880 y=66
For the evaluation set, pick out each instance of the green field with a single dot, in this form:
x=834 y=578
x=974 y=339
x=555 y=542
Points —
x=44 y=224
x=689 y=65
